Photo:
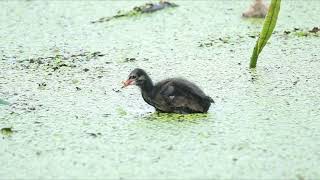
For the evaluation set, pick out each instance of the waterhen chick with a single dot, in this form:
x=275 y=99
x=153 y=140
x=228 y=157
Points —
x=174 y=95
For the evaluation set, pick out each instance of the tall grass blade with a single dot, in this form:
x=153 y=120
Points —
x=268 y=27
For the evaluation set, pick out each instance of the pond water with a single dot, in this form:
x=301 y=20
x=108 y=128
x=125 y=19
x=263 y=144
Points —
x=69 y=118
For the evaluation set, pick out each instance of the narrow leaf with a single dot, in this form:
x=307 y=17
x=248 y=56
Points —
x=268 y=27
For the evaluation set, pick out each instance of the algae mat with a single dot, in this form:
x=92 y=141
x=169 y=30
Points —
x=67 y=117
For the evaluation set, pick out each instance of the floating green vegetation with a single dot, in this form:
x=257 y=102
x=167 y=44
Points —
x=75 y=81
x=255 y=21
x=6 y=131
x=42 y=86
x=175 y=117
x=315 y=32
x=217 y=41
x=268 y=27
x=117 y=16
x=3 y=102
x=59 y=60
x=130 y=59
x=138 y=10
x=121 y=111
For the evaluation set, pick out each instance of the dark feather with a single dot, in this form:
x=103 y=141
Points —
x=172 y=95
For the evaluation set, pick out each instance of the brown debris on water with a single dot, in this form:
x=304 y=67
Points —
x=314 y=30
x=146 y=8
x=299 y=32
x=60 y=60
x=7 y=131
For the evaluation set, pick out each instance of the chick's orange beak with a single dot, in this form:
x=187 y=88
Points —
x=128 y=83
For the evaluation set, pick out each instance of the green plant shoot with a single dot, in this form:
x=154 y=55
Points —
x=268 y=27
